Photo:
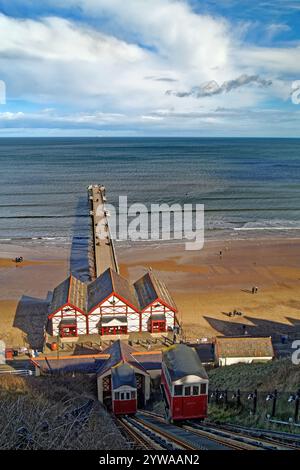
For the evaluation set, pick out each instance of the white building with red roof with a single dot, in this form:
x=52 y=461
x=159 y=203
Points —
x=158 y=309
x=67 y=310
x=113 y=307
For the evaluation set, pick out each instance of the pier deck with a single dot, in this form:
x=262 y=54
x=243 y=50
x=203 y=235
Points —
x=104 y=252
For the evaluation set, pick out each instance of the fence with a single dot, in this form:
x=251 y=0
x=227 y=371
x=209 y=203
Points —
x=276 y=403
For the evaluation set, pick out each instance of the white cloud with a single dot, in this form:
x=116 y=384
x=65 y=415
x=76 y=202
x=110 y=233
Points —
x=118 y=73
x=180 y=37
x=274 y=29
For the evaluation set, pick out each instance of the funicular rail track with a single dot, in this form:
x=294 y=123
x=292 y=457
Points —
x=148 y=436
x=204 y=441
x=269 y=438
x=138 y=439
x=229 y=439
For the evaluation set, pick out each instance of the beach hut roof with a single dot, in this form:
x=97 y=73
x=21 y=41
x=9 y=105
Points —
x=71 y=291
x=244 y=346
x=149 y=289
x=108 y=283
x=182 y=360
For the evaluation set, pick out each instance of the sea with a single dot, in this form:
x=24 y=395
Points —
x=249 y=187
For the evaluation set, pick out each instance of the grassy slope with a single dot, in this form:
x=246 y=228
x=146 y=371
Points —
x=33 y=403
x=281 y=375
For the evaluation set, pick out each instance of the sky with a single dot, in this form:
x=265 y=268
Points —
x=228 y=68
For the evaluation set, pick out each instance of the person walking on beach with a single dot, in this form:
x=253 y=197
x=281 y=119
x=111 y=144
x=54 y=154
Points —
x=253 y=290
x=221 y=253
x=256 y=290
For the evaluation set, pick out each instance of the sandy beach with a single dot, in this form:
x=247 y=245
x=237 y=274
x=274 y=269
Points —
x=205 y=285
x=25 y=289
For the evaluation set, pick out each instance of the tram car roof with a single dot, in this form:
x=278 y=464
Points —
x=123 y=375
x=181 y=361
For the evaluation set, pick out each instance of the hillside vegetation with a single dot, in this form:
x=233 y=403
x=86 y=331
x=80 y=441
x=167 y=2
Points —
x=45 y=413
x=280 y=375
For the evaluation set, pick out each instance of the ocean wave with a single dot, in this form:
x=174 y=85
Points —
x=2 y=239
x=264 y=228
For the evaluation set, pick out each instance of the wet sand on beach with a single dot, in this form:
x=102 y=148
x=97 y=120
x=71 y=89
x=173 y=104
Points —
x=205 y=285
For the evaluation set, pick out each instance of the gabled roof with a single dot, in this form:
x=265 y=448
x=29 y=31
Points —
x=120 y=353
x=71 y=291
x=110 y=282
x=182 y=360
x=149 y=289
x=123 y=375
x=244 y=346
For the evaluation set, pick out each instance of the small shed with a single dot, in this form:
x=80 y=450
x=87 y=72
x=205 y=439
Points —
x=243 y=349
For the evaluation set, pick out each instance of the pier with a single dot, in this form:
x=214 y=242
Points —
x=104 y=255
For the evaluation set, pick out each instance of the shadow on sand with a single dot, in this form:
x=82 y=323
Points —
x=258 y=327
x=31 y=313
x=79 y=257
x=31 y=318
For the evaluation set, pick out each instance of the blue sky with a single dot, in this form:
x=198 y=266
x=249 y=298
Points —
x=149 y=67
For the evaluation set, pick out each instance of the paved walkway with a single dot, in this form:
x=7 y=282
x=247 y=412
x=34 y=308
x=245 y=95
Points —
x=104 y=251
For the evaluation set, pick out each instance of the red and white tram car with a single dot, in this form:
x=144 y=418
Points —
x=184 y=383
x=124 y=390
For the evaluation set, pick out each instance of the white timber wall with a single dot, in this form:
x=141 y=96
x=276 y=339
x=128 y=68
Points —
x=66 y=313
x=115 y=307
x=157 y=308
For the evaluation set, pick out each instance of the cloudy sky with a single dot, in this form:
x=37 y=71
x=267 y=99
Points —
x=149 y=67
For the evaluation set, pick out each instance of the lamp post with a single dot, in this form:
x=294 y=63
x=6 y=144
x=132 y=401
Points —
x=253 y=397
x=273 y=397
x=296 y=398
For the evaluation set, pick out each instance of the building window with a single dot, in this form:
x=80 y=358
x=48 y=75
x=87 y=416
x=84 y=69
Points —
x=195 y=390
x=203 y=389
x=178 y=390
x=187 y=391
